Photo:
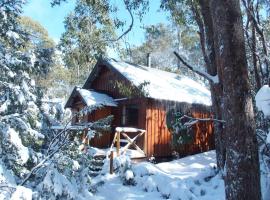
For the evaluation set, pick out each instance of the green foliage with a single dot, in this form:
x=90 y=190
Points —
x=39 y=44
x=89 y=30
x=180 y=10
x=38 y=35
x=181 y=133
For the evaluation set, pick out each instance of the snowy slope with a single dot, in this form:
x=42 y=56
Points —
x=192 y=177
x=164 y=85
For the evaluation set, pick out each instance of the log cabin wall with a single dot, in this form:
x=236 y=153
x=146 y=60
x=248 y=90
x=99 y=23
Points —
x=159 y=137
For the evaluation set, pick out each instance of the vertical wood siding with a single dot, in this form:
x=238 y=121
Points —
x=159 y=137
x=104 y=140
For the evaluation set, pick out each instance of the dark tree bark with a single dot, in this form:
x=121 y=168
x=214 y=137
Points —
x=223 y=46
x=242 y=179
x=207 y=39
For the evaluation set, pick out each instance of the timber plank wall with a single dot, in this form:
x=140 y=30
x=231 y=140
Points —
x=159 y=137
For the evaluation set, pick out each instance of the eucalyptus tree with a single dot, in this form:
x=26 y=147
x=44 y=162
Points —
x=90 y=31
x=41 y=45
x=220 y=26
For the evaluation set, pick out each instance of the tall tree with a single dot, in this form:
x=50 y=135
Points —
x=41 y=45
x=193 y=14
x=87 y=37
x=223 y=45
x=231 y=61
x=90 y=30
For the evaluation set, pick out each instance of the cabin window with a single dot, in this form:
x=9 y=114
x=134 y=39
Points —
x=130 y=115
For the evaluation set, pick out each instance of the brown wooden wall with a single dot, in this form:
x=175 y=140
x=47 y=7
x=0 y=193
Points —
x=105 y=139
x=159 y=137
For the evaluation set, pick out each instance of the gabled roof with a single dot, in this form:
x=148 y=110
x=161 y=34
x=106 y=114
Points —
x=161 y=84
x=90 y=98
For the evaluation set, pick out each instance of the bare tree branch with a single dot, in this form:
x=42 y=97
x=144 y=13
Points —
x=203 y=119
x=256 y=22
x=129 y=28
x=201 y=32
x=212 y=79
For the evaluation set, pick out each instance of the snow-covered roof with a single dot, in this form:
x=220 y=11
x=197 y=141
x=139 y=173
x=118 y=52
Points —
x=95 y=98
x=92 y=98
x=164 y=85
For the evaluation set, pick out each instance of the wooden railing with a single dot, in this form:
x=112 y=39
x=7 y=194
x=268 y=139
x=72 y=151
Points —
x=122 y=131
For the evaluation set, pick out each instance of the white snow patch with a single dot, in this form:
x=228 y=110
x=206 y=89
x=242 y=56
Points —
x=4 y=106
x=6 y=176
x=16 y=141
x=263 y=100
x=192 y=177
x=95 y=98
x=128 y=129
x=13 y=35
x=268 y=138
x=129 y=175
x=22 y=193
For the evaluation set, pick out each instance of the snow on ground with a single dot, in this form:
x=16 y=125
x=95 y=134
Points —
x=106 y=152
x=192 y=177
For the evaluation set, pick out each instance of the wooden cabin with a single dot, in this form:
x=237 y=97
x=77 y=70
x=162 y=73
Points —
x=140 y=97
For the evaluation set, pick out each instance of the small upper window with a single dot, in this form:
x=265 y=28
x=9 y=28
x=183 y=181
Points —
x=130 y=115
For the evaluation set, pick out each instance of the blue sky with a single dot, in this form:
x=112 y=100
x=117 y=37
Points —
x=52 y=18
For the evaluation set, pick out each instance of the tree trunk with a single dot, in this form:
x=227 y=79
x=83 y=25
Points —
x=216 y=88
x=254 y=58
x=242 y=179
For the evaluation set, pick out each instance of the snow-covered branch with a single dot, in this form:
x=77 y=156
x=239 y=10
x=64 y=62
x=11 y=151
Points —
x=61 y=139
x=212 y=79
x=194 y=120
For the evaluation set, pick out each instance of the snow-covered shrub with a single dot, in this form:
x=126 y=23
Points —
x=128 y=179
x=263 y=136
x=263 y=100
x=121 y=164
x=122 y=167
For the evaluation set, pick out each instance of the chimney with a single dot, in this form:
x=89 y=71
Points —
x=148 y=59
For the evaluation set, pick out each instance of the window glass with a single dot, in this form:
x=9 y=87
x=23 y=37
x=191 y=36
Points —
x=130 y=115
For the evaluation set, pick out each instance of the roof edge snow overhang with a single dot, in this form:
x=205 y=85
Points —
x=75 y=92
